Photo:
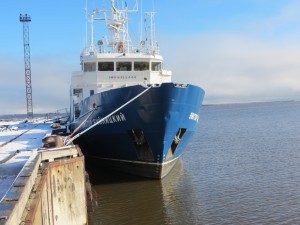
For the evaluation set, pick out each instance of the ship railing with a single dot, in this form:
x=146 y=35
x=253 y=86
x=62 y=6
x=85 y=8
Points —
x=133 y=49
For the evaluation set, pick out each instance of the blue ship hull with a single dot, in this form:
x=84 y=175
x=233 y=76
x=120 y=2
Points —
x=147 y=136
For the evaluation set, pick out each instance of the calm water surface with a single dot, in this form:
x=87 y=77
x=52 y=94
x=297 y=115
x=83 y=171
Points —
x=241 y=167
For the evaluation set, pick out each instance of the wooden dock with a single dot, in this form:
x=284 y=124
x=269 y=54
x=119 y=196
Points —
x=48 y=187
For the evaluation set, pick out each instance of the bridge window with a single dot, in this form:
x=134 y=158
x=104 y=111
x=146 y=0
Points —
x=124 y=66
x=141 y=66
x=106 y=66
x=156 y=66
x=89 y=67
x=77 y=92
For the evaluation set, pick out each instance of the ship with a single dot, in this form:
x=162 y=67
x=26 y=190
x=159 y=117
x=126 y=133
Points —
x=126 y=113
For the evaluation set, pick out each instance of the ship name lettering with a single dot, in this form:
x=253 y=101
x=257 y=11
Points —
x=194 y=116
x=118 y=118
x=112 y=119
x=122 y=117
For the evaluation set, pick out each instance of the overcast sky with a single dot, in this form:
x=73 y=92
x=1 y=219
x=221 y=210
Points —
x=238 y=51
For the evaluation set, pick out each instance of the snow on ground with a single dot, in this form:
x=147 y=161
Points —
x=26 y=138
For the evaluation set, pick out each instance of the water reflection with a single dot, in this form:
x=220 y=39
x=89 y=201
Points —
x=126 y=199
x=181 y=203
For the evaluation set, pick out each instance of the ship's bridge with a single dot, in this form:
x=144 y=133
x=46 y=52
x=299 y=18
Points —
x=105 y=71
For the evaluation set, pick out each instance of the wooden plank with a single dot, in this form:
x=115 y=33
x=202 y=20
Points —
x=35 y=206
x=58 y=153
x=68 y=191
x=15 y=215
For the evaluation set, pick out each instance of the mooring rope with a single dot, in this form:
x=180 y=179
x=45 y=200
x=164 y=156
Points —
x=80 y=125
x=67 y=142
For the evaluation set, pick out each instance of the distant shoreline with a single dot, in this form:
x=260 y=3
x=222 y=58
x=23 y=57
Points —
x=39 y=115
x=24 y=116
x=255 y=102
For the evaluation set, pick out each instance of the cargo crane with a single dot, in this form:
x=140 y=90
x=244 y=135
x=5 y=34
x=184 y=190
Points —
x=25 y=19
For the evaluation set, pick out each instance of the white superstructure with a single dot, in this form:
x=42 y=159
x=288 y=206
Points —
x=117 y=62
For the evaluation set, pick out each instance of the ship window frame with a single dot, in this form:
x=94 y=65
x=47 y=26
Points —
x=89 y=67
x=141 y=66
x=124 y=66
x=106 y=66
x=77 y=92
x=156 y=66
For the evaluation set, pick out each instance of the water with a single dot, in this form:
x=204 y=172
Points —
x=241 y=167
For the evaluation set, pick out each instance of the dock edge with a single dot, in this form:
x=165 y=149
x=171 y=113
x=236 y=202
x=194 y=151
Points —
x=50 y=189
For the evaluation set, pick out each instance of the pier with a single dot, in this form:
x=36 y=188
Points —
x=39 y=185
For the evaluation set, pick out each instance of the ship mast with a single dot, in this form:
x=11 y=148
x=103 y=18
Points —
x=92 y=49
x=152 y=42
x=86 y=26
x=118 y=26
x=117 y=23
x=119 y=40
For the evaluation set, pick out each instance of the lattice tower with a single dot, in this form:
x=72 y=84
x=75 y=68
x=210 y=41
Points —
x=25 y=19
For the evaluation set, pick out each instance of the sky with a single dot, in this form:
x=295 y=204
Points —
x=237 y=51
